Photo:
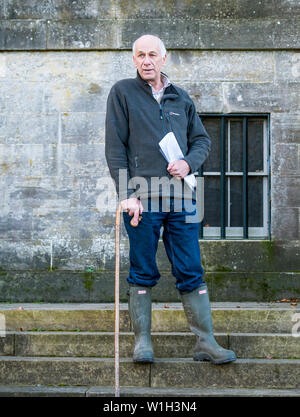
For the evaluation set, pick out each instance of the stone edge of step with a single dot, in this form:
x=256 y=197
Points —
x=104 y=391
x=157 y=362
x=155 y=306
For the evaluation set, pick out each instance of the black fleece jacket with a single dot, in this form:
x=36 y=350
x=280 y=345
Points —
x=136 y=122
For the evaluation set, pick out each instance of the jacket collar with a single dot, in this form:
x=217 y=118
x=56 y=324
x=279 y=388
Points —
x=171 y=89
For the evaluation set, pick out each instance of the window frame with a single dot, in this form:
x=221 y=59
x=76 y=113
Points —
x=241 y=232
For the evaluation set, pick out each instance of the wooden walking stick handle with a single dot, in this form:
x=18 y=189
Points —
x=135 y=225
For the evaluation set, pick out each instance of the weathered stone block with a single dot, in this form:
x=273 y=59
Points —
x=7 y=344
x=90 y=284
x=82 y=96
x=22 y=255
x=101 y=345
x=71 y=371
x=261 y=97
x=62 y=317
x=156 y=9
x=237 y=256
x=59 y=9
x=17 y=160
x=286 y=159
x=39 y=391
x=285 y=191
x=206 y=96
x=276 y=346
x=175 y=33
x=284 y=31
x=12 y=227
x=243 y=373
x=219 y=66
x=285 y=127
x=286 y=223
x=83 y=128
x=19 y=97
x=67 y=67
x=216 y=34
x=62 y=160
x=219 y=25
x=228 y=9
x=82 y=34
x=35 y=128
x=20 y=34
x=287 y=66
x=258 y=286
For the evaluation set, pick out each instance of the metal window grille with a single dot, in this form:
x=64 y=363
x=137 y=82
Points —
x=237 y=177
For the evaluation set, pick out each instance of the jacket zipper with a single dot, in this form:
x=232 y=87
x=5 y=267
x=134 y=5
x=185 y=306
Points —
x=169 y=121
x=162 y=118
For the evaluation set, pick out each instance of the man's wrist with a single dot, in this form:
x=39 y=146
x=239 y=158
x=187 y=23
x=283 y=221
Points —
x=189 y=166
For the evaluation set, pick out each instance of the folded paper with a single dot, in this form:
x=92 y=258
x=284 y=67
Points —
x=172 y=152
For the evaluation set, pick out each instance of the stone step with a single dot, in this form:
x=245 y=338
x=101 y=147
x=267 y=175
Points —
x=164 y=373
x=227 y=317
x=85 y=391
x=165 y=345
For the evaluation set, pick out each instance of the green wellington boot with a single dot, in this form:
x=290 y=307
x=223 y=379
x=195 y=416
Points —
x=197 y=309
x=140 y=310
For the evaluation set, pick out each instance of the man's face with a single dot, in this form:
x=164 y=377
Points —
x=148 y=59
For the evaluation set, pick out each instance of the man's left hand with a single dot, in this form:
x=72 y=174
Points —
x=179 y=168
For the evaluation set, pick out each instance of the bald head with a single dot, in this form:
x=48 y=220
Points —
x=149 y=56
x=149 y=40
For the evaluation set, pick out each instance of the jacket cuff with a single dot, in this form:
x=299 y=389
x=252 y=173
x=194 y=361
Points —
x=187 y=159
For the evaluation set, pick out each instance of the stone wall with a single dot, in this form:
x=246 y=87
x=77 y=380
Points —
x=114 y=24
x=58 y=61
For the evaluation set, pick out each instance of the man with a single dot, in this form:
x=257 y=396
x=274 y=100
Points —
x=140 y=112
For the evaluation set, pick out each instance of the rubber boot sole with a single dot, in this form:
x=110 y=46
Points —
x=144 y=359
x=206 y=357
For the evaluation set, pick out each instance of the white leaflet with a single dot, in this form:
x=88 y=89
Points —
x=172 y=152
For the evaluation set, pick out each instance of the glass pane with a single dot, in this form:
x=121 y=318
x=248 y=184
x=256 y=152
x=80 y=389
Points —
x=236 y=201
x=212 y=126
x=255 y=145
x=255 y=201
x=236 y=145
x=212 y=215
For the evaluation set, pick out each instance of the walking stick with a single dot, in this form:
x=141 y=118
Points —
x=117 y=298
x=117 y=302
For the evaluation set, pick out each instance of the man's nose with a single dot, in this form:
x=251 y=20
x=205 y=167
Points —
x=147 y=60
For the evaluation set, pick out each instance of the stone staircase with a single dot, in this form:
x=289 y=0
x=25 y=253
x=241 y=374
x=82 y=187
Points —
x=68 y=350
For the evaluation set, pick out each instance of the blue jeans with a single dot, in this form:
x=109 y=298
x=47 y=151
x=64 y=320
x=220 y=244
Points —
x=181 y=243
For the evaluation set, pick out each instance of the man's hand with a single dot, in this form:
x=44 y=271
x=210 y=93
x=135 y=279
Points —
x=134 y=207
x=179 y=168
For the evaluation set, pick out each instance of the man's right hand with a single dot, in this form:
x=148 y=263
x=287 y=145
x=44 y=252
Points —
x=134 y=207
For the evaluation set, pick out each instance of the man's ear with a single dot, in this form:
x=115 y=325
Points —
x=164 y=59
x=134 y=61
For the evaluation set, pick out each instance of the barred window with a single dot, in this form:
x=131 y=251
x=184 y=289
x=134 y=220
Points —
x=236 y=177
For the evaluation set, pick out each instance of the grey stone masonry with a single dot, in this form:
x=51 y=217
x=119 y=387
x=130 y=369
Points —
x=105 y=24
x=58 y=61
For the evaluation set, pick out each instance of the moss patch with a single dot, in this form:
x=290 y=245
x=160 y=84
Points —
x=88 y=279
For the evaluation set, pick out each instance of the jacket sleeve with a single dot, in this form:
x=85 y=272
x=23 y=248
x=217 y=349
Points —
x=116 y=140
x=199 y=143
